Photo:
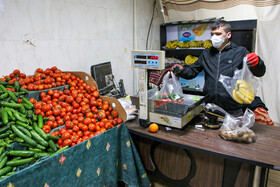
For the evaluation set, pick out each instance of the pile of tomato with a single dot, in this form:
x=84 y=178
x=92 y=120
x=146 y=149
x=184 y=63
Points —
x=78 y=106
x=42 y=79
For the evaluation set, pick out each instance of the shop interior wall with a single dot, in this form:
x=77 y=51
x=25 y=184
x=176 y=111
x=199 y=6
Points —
x=74 y=34
x=267 y=14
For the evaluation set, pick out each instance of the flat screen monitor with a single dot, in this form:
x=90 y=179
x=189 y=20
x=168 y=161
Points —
x=102 y=74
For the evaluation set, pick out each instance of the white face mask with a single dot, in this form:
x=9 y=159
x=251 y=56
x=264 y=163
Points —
x=217 y=41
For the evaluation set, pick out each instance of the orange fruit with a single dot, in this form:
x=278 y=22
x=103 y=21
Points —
x=153 y=127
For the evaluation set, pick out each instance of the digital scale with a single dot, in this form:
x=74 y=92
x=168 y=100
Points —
x=152 y=109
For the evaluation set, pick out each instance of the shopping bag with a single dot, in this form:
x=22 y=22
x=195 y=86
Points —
x=238 y=128
x=171 y=89
x=242 y=86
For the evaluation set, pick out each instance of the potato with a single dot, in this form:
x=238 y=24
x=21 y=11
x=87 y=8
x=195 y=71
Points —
x=234 y=135
x=240 y=133
x=245 y=137
x=252 y=134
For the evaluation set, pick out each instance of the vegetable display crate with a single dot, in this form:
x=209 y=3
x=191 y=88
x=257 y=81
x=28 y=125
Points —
x=81 y=156
x=100 y=161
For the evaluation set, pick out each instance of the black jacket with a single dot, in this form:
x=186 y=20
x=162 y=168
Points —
x=215 y=63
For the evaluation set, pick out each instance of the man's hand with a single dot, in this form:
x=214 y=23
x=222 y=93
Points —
x=177 y=69
x=252 y=59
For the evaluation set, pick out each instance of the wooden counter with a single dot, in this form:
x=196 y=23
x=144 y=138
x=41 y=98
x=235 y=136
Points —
x=265 y=152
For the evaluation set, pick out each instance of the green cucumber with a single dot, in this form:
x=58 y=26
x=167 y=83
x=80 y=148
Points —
x=19 y=93
x=19 y=123
x=4 y=129
x=40 y=121
x=60 y=150
x=4 y=135
x=3 y=83
x=19 y=140
x=40 y=132
x=10 y=114
x=10 y=173
x=19 y=117
x=35 y=150
x=4 y=96
x=6 y=169
x=19 y=162
x=27 y=102
x=10 y=105
x=25 y=131
x=39 y=139
x=21 y=153
x=3 y=162
x=23 y=136
x=23 y=90
x=17 y=86
x=52 y=145
x=3 y=88
x=42 y=154
x=2 y=149
x=51 y=137
x=12 y=95
x=4 y=115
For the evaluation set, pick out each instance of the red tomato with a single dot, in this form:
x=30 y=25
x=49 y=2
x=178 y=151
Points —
x=32 y=100
x=56 y=112
x=38 y=111
x=69 y=124
x=87 y=121
x=67 y=142
x=49 y=113
x=46 y=128
x=114 y=114
x=62 y=130
x=38 y=105
x=50 y=123
x=119 y=120
x=66 y=135
x=101 y=115
x=80 y=134
x=95 y=94
x=60 y=121
x=84 y=128
x=59 y=141
x=91 y=127
x=75 y=138
x=76 y=128
x=51 y=118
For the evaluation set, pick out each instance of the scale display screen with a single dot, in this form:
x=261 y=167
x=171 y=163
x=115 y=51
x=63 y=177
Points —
x=148 y=59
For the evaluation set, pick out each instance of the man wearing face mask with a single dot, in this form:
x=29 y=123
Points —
x=223 y=58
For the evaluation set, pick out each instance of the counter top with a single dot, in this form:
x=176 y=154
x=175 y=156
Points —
x=265 y=152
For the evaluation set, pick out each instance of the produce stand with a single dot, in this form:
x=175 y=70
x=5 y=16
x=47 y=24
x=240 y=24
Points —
x=100 y=161
x=98 y=156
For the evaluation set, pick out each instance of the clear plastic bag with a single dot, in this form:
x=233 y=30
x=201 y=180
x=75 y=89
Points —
x=243 y=85
x=171 y=88
x=238 y=128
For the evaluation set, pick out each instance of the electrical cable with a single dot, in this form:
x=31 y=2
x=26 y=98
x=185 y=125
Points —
x=115 y=85
x=150 y=25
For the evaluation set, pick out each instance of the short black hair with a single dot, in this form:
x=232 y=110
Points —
x=222 y=23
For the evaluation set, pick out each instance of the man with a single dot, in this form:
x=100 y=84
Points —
x=223 y=58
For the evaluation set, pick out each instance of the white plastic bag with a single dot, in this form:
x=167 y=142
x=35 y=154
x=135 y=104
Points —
x=238 y=128
x=171 y=88
x=243 y=85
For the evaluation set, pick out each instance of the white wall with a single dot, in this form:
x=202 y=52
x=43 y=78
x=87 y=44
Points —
x=73 y=34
